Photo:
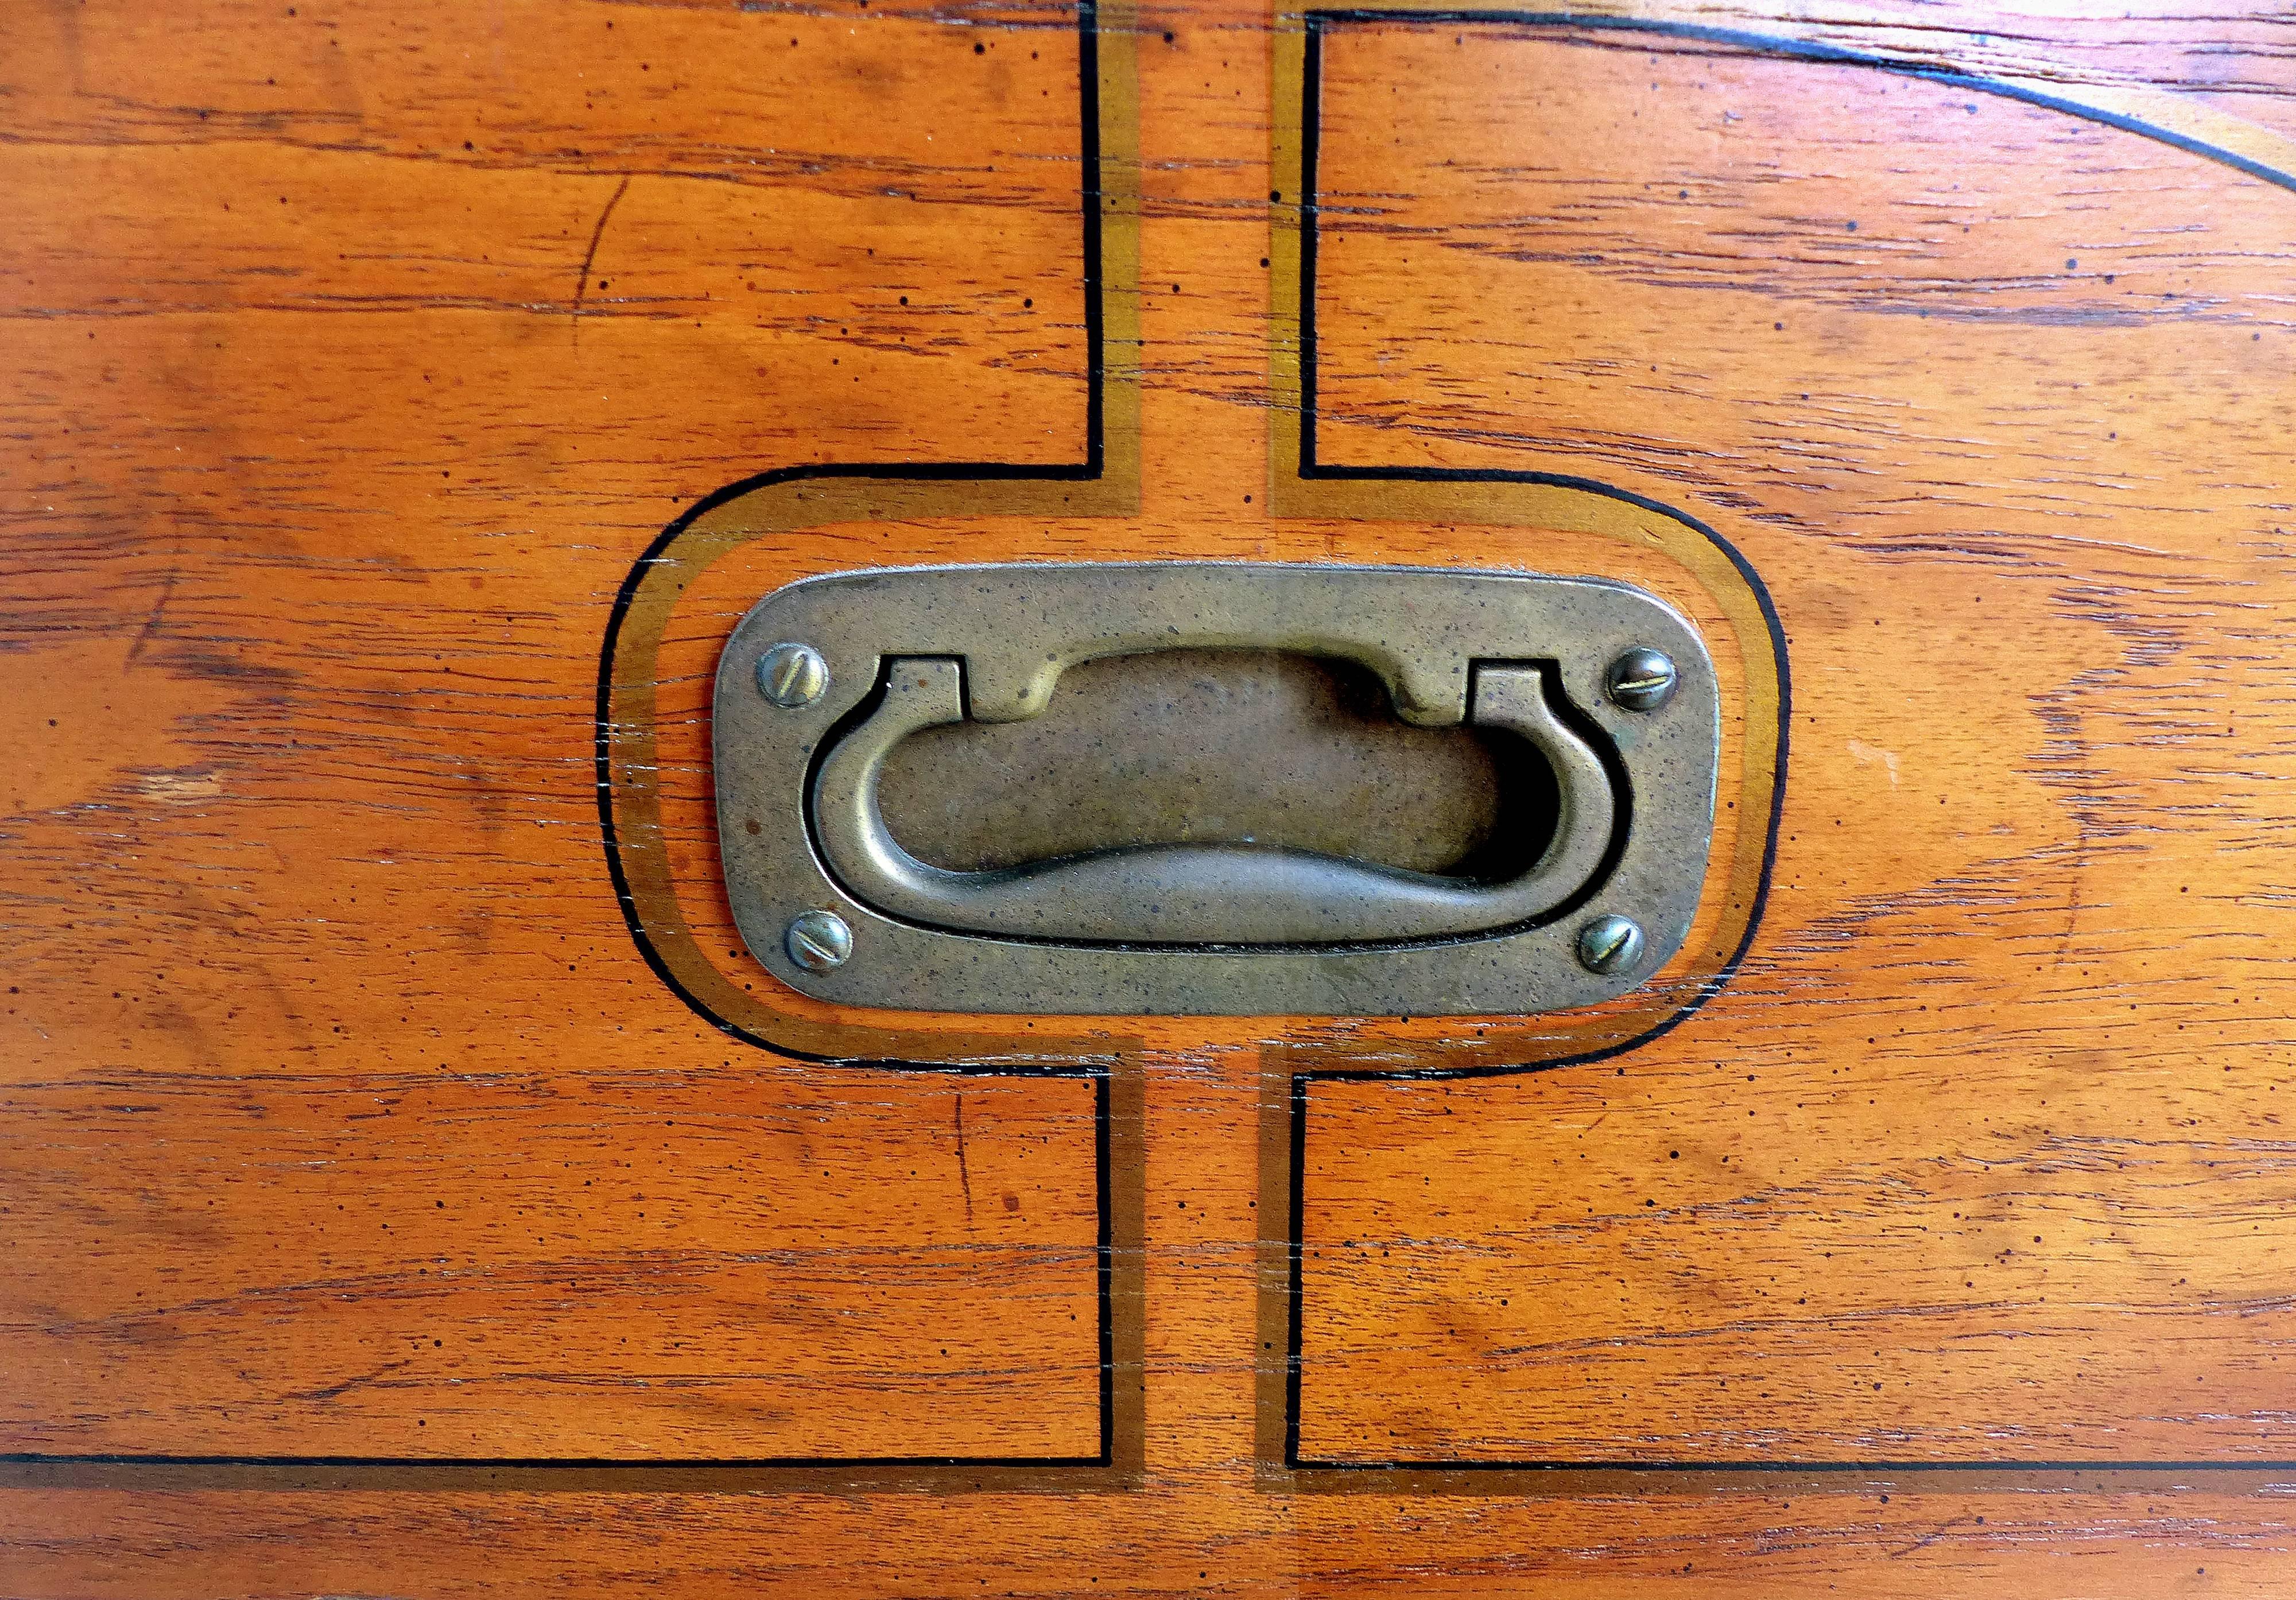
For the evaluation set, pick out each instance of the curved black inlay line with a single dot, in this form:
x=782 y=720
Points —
x=1311 y=131
x=1089 y=75
x=1317 y=24
x=1087 y=471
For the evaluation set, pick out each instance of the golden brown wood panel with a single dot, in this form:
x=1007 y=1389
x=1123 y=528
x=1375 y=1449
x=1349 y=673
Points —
x=1980 y=1157
x=313 y=515
x=637 y=1264
x=1911 y=1544
x=1877 y=1263
x=350 y=357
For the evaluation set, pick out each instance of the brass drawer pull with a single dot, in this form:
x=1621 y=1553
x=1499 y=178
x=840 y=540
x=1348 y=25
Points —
x=1612 y=689
x=1199 y=894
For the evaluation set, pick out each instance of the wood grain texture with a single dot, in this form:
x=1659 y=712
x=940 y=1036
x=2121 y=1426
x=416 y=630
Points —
x=1998 y=1172
x=313 y=510
x=108 y=1546
x=333 y=435
x=585 y=1264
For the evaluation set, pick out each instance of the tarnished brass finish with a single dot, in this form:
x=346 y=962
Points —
x=1228 y=925
x=1202 y=894
x=1203 y=746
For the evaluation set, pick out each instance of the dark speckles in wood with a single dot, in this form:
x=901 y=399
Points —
x=254 y=1195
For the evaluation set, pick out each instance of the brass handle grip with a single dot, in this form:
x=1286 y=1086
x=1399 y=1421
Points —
x=1201 y=894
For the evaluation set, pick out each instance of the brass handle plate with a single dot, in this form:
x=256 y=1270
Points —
x=822 y=678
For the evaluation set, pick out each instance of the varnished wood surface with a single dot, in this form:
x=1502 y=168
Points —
x=677 y=1263
x=352 y=358
x=333 y=439
x=1914 y=1544
x=2011 y=459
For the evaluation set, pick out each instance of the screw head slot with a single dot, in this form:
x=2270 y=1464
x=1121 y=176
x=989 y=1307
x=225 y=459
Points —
x=792 y=674
x=1643 y=679
x=1611 y=944
x=818 y=940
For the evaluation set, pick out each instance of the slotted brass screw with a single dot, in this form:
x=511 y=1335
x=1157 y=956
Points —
x=792 y=674
x=1611 y=944
x=818 y=940
x=1643 y=679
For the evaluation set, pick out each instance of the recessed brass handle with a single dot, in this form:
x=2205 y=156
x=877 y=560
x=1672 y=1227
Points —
x=1201 y=894
x=1613 y=689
